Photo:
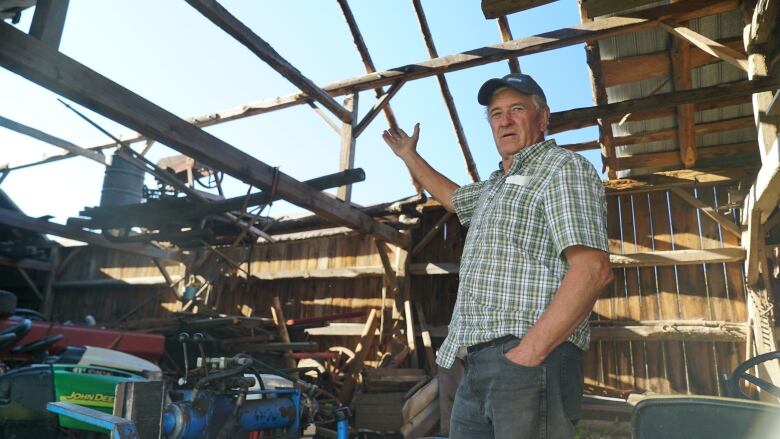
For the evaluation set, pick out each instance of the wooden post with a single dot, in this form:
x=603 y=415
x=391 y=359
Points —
x=430 y=355
x=405 y=287
x=281 y=326
x=766 y=125
x=347 y=158
x=593 y=59
x=355 y=365
x=761 y=316
x=681 y=74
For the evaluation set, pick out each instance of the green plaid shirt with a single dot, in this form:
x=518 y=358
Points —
x=519 y=224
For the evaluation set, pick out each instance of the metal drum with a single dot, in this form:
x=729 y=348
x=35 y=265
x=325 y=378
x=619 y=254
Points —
x=122 y=184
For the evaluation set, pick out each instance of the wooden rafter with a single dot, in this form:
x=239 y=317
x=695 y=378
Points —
x=699 y=129
x=657 y=64
x=48 y=138
x=212 y=10
x=471 y=167
x=506 y=35
x=49 y=21
x=706 y=155
x=653 y=113
x=523 y=46
x=21 y=221
x=365 y=56
x=381 y=104
x=599 y=91
x=708 y=45
x=39 y=63
x=582 y=117
x=324 y=116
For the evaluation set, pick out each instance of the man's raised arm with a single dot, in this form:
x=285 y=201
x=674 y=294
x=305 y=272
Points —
x=405 y=147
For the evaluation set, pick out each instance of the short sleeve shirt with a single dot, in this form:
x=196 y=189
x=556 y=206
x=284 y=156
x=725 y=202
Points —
x=519 y=223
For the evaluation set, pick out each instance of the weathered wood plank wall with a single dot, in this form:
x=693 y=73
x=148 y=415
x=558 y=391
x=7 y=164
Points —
x=637 y=223
x=706 y=292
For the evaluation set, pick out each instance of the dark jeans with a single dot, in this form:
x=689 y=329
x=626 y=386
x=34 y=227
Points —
x=503 y=400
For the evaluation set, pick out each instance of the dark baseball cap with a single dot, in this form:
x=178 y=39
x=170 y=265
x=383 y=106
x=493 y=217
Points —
x=518 y=81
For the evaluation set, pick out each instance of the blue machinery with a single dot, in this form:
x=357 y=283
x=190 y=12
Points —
x=205 y=414
x=208 y=414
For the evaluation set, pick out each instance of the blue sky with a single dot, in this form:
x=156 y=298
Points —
x=170 y=54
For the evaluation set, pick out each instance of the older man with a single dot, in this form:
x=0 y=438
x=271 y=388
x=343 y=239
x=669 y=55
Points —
x=534 y=263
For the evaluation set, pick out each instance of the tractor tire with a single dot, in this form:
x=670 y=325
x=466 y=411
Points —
x=7 y=304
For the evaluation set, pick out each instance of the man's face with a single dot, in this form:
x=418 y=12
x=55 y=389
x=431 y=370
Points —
x=515 y=121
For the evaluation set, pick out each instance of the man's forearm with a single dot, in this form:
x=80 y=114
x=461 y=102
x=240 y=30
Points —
x=573 y=302
x=439 y=186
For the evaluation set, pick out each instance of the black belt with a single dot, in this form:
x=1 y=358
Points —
x=490 y=343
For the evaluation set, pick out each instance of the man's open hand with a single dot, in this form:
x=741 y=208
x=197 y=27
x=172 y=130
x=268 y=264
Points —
x=401 y=143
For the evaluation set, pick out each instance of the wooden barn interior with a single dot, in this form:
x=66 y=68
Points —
x=685 y=98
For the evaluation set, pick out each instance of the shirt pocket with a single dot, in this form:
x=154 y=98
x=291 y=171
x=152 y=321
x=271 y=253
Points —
x=518 y=212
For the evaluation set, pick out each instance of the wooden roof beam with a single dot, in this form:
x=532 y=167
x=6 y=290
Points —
x=587 y=116
x=39 y=63
x=212 y=10
x=724 y=154
x=698 y=130
x=471 y=166
x=656 y=113
x=499 y=8
x=18 y=220
x=48 y=138
x=365 y=56
x=382 y=103
x=657 y=64
x=523 y=46
x=708 y=45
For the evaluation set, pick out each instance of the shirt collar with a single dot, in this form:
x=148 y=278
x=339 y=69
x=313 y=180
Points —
x=525 y=154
